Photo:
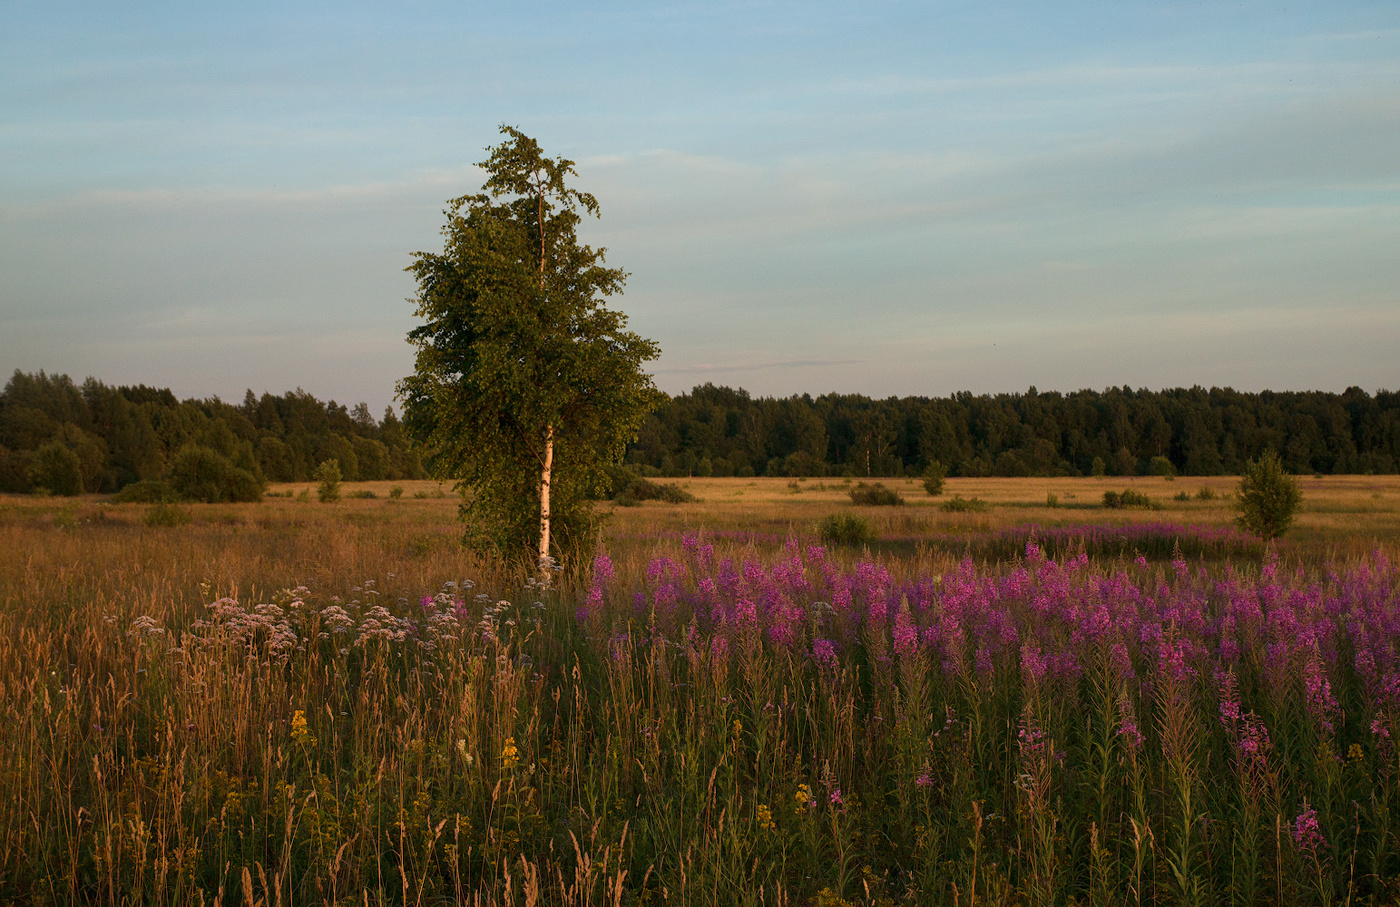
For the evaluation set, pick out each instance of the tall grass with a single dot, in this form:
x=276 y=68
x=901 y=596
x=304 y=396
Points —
x=396 y=723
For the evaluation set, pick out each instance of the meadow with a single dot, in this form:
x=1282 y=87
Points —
x=303 y=703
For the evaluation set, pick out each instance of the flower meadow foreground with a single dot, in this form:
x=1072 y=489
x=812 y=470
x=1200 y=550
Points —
x=723 y=729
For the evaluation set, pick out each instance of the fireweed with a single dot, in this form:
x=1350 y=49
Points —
x=710 y=728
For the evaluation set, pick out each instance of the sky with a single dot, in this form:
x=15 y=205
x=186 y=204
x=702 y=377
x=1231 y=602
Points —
x=886 y=198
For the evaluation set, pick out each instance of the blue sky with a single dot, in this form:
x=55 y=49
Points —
x=883 y=198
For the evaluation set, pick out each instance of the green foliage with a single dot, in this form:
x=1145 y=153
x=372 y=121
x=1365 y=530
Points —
x=1120 y=500
x=57 y=469
x=328 y=481
x=1205 y=494
x=875 y=495
x=958 y=504
x=396 y=492
x=1052 y=500
x=147 y=491
x=846 y=529
x=1268 y=497
x=1161 y=466
x=639 y=489
x=201 y=474
x=934 y=477
x=518 y=358
x=1098 y=468
x=361 y=494
x=165 y=513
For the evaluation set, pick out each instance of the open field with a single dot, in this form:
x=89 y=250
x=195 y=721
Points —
x=716 y=713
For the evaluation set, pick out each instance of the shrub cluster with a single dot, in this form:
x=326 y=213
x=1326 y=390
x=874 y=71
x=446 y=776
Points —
x=1120 y=500
x=846 y=529
x=875 y=495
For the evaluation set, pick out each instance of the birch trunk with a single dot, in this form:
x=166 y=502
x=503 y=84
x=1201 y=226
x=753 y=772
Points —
x=544 y=497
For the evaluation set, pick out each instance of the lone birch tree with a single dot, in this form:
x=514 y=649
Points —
x=525 y=384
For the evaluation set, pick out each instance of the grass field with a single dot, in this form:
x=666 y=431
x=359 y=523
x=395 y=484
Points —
x=299 y=702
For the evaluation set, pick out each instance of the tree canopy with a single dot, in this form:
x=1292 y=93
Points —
x=525 y=384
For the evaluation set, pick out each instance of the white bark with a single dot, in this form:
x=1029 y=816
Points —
x=544 y=497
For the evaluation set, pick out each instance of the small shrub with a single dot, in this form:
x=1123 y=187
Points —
x=421 y=495
x=640 y=489
x=1052 y=500
x=958 y=504
x=1205 y=494
x=147 y=491
x=934 y=478
x=846 y=529
x=1182 y=496
x=1268 y=497
x=396 y=492
x=304 y=496
x=165 y=513
x=1121 y=500
x=1098 y=467
x=1161 y=466
x=362 y=494
x=328 y=481
x=203 y=474
x=875 y=495
x=56 y=468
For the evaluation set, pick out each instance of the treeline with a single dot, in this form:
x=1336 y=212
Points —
x=1120 y=431
x=68 y=438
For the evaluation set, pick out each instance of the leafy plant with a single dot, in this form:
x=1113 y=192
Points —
x=328 y=481
x=959 y=504
x=1121 y=500
x=165 y=513
x=203 y=474
x=147 y=491
x=846 y=529
x=396 y=492
x=525 y=384
x=934 y=477
x=361 y=494
x=1268 y=497
x=56 y=468
x=875 y=495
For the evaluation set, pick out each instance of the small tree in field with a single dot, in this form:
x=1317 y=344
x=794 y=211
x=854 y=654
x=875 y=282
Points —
x=328 y=481
x=525 y=385
x=934 y=477
x=1268 y=497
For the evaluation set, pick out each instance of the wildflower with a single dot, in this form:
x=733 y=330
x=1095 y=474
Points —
x=803 y=797
x=765 y=818
x=1307 y=833
x=510 y=756
x=300 y=734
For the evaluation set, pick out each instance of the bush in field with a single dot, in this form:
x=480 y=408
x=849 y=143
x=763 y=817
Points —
x=846 y=529
x=363 y=494
x=147 y=491
x=56 y=469
x=959 y=504
x=639 y=489
x=328 y=481
x=165 y=513
x=1268 y=497
x=1161 y=466
x=1123 y=500
x=934 y=477
x=396 y=492
x=875 y=495
x=202 y=474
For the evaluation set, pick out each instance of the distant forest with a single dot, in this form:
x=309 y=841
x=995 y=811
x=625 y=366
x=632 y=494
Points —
x=1120 y=431
x=121 y=435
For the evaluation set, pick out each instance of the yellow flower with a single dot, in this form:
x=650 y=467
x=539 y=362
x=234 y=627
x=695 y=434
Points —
x=765 y=818
x=300 y=734
x=510 y=756
x=803 y=797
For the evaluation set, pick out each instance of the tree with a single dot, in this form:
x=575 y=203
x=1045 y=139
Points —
x=1268 y=497
x=525 y=385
